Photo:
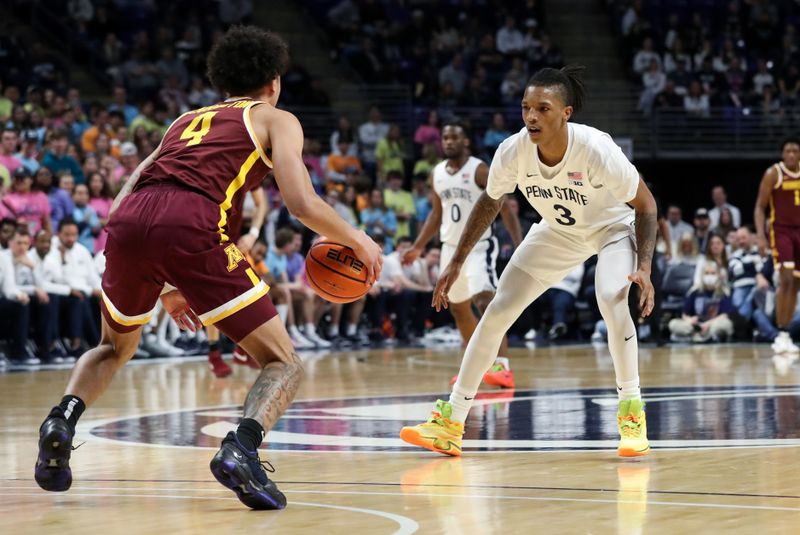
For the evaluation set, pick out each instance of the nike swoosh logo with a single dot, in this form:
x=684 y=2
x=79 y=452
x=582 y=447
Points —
x=530 y=175
x=629 y=337
x=237 y=455
x=468 y=399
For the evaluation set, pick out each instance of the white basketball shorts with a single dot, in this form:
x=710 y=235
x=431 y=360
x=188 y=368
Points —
x=478 y=274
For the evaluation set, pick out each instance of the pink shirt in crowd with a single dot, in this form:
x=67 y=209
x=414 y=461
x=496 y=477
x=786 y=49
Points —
x=12 y=163
x=28 y=208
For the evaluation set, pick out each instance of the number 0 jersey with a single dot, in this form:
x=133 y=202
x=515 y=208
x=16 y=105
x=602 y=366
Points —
x=458 y=193
x=583 y=194
x=214 y=152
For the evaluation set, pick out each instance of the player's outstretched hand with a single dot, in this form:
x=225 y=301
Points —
x=177 y=307
x=371 y=254
x=446 y=280
x=646 y=291
x=411 y=255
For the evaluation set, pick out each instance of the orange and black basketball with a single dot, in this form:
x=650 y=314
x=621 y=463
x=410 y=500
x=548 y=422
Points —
x=334 y=272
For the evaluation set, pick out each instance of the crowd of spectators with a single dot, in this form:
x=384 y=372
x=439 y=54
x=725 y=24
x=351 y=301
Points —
x=450 y=53
x=735 y=56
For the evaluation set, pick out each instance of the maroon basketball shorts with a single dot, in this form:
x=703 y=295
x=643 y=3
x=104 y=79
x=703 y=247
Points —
x=170 y=234
x=785 y=242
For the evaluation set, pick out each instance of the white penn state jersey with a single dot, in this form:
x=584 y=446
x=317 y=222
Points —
x=458 y=193
x=583 y=194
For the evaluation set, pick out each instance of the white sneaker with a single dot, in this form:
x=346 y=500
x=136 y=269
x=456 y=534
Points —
x=783 y=344
x=168 y=349
x=316 y=339
x=530 y=335
x=298 y=340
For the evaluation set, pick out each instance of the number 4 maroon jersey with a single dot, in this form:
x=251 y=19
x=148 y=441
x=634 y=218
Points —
x=215 y=152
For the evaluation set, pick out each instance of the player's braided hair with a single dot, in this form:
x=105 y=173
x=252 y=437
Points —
x=246 y=59
x=568 y=80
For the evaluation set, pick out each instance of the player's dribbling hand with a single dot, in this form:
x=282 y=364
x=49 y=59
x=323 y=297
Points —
x=371 y=254
x=446 y=280
x=646 y=291
x=176 y=306
x=411 y=255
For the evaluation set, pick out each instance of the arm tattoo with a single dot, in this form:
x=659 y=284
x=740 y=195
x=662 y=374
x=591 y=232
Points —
x=646 y=226
x=482 y=215
x=274 y=389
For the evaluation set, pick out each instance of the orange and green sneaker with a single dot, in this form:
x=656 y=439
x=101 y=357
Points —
x=500 y=374
x=439 y=433
x=632 y=429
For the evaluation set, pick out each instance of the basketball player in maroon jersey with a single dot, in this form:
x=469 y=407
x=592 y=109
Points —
x=169 y=227
x=780 y=192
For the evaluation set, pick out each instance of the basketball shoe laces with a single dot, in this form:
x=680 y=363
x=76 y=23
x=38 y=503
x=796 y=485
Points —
x=629 y=425
x=443 y=412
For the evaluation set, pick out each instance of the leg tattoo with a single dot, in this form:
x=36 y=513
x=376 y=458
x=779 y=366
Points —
x=274 y=389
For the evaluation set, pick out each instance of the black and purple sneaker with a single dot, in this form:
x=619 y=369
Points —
x=55 y=447
x=243 y=472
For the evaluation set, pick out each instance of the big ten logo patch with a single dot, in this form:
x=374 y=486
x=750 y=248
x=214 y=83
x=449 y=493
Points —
x=346 y=259
x=234 y=256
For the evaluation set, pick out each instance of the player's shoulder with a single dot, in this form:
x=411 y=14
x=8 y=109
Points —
x=590 y=137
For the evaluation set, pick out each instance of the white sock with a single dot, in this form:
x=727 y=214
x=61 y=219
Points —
x=293 y=331
x=352 y=329
x=333 y=331
x=614 y=263
x=283 y=312
x=461 y=400
x=310 y=329
x=629 y=390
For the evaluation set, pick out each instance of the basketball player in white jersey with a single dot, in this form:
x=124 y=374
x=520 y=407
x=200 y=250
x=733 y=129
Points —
x=591 y=201
x=458 y=182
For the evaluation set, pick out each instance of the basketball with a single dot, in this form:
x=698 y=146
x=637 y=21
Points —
x=334 y=272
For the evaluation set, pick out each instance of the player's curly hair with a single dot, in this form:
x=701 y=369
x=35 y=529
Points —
x=568 y=80
x=246 y=59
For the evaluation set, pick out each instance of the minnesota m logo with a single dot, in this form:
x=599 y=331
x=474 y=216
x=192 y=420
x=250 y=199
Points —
x=234 y=256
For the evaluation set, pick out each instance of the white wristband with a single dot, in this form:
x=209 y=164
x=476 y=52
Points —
x=254 y=232
x=167 y=288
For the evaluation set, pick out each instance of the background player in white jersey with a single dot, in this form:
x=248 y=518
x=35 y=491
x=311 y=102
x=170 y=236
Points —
x=589 y=196
x=458 y=182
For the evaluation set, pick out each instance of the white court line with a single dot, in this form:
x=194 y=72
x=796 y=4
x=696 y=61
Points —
x=409 y=494
x=407 y=525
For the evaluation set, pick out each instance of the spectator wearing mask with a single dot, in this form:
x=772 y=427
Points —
x=706 y=311
x=720 y=199
x=30 y=207
x=401 y=202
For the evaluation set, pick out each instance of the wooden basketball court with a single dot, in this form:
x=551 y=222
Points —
x=724 y=422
